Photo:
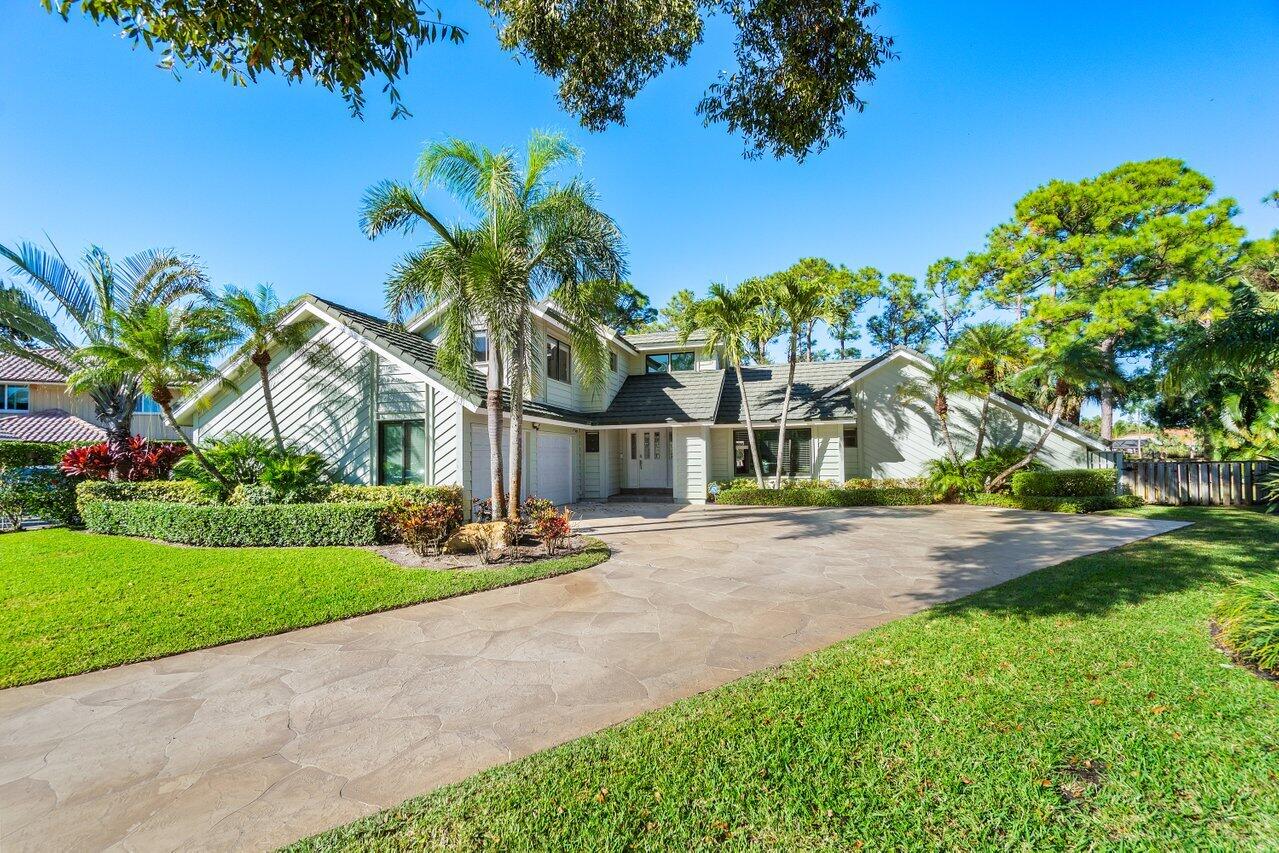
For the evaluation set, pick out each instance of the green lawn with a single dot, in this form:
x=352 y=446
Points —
x=1079 y=707
x=74 y=601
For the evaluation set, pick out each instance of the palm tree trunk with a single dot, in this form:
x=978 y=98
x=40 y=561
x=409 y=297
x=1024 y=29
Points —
x=493 y=404
x=1004 y=476
x=750 y=428
x=981 y=426
x=263 y=359
x=113 y=407
x=781 y=427
x=943 y=418
x=518 y=370
x=195 y=451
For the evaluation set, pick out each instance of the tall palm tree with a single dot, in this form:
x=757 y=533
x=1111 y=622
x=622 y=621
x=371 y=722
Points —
x=726 y=317
x=538 y=239
x=164 y=349
x=943 y=378
x=255 y=320
x=990 y=353
x=767 y=323
x=1068 y=370
x=88 y=301
x=799 y=300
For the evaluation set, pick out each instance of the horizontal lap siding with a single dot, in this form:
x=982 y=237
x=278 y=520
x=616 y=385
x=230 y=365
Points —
x=722 y=454
x=322 y=395
x=81 y=405
x=828 y=458
x=400 y=394
x=691 y=457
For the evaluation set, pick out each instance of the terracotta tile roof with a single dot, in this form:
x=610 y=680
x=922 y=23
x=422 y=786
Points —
x=51 y=425
x=15 y=368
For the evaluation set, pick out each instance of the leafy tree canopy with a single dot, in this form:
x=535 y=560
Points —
x=799 y=63
x=906 y=319
x=632 y=311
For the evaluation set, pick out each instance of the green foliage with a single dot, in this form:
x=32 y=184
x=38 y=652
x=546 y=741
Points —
x=885 y=483
x=1073 y=482
x=817 y=496
x=1248 y=617
x=1270 y=489
x=241 y=458
x=1081 y=504
x=906 y=319
x=346 y=493
x=169 y=491
x=848 y=294
x=425 y=526
x=229 y=525
x=25 y=454
x=40 y=492
x=949 y=478
x=288 y=476
x=630 y=310
x=295 y=477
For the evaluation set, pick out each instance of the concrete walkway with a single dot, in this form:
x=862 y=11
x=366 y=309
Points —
x=258 y=743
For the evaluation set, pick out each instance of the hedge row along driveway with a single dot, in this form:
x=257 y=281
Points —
x=72 y=602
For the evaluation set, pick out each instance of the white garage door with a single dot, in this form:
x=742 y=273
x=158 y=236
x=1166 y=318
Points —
x=555 y=468
x=481 y=485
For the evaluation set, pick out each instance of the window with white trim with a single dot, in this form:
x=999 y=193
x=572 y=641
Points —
x=559 y=365
x=146 y=406
x=479 y=346
x=15 y=398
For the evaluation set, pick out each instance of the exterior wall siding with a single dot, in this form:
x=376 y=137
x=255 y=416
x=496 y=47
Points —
x=828 y=456
x=444 y=439
x=400 y=394
x=323 y=400
x=81 y=405
x=691 y=456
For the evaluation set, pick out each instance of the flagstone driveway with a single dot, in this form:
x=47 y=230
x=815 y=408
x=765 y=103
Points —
x=258 y=743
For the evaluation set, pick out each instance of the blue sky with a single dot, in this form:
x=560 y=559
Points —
x=987 y=101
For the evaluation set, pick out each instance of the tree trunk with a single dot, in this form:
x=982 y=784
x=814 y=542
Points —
x=981 y=425
x=113 y=407
x=781 y=427
x=1107 y=395
x=262 y=359
x=1005 y=475
x=493 y=405
x=750 y=428
x=195 y=451
x=518 y=370
x=942 y=408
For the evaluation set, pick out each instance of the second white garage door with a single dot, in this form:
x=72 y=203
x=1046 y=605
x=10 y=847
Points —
x=555 y=468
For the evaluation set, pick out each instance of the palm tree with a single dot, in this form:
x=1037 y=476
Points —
x=767 y=322
x=538 y=239
x=990 y=353
x=944 y=377
x=726 y=317
x=799 y=300
x=88 y=301
x=256 y=321
x=1068 y=370
x=164 y=349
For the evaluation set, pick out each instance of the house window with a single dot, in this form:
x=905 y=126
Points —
x=146 y=406
x=558 y=360
x=15 y=398
x=401 y=452
x=633 y=446
x=850 y=436
x=799 y=453
x=665 y=362
x=592 y=442
x=479 y=346
x=612 y=361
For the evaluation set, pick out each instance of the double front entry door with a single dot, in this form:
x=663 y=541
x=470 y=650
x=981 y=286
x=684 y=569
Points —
x=648 y=456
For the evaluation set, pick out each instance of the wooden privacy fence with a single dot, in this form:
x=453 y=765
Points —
x=1218 y=483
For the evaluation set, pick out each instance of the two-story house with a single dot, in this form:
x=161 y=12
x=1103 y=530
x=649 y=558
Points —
x=668 y=420
x=35 y=405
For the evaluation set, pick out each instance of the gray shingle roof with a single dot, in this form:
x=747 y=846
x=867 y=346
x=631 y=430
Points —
x=766 y=388
x=15 y=368
x=680 y=397
x=648 y=340
x=51 y=425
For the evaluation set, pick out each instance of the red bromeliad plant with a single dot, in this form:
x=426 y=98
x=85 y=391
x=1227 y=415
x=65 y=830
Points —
x=554 y=529
x=140 y=460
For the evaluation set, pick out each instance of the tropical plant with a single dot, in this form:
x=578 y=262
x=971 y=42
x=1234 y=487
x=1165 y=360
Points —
x=295 y=476
x=990 y=353
x=144 y=460
x=553 y=529
x=533 y=239
x=256 y=320
x=799 y=300
x=425 y=527
x=1248 y=619
x=89 y=301
x=725 y=316
x=935 y=385
x=768 y=322
x=165 y=349
x=949 y=478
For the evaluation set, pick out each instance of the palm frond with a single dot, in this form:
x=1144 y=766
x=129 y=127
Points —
x=51 y=276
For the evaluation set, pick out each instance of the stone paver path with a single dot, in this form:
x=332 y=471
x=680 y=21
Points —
x=258 y=743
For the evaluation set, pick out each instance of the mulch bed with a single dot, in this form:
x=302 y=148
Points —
x=529 y=551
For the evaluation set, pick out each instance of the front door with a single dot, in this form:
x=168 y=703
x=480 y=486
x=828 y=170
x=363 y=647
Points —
x=649 y=457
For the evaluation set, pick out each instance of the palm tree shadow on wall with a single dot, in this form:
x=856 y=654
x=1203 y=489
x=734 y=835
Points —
x=341 y=427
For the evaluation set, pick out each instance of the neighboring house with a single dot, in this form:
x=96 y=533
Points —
x=36 y=406
x=668 y=420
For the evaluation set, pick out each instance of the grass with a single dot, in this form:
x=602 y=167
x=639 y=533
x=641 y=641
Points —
x=71 y=601
x=1078 y=707
x=1248 y=615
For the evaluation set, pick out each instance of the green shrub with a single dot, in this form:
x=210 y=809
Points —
x=823 y=497
x=39 y=491
x=344 y=493
x=169 y=491
x=27 y=454
x=1074 y=482
x=1248 y=616
x=226 y=525
x=885 y=483
x=1079 y=504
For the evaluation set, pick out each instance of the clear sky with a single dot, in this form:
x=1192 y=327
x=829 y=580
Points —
x=987 y=101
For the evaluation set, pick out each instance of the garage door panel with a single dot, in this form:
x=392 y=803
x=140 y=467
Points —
x=555 y=468
x=480 y=477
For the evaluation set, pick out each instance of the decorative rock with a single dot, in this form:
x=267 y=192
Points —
x=476 y=538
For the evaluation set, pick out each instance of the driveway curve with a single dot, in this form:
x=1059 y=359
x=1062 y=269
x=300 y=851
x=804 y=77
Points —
x=258 y=743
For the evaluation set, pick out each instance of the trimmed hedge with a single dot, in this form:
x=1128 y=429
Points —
x=28 y=454
x=1060 y=503
x=40 y=491
x=824 y=497
x=1072 y=482
x=343 y=493
x=238 y=526
x=167 y=491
